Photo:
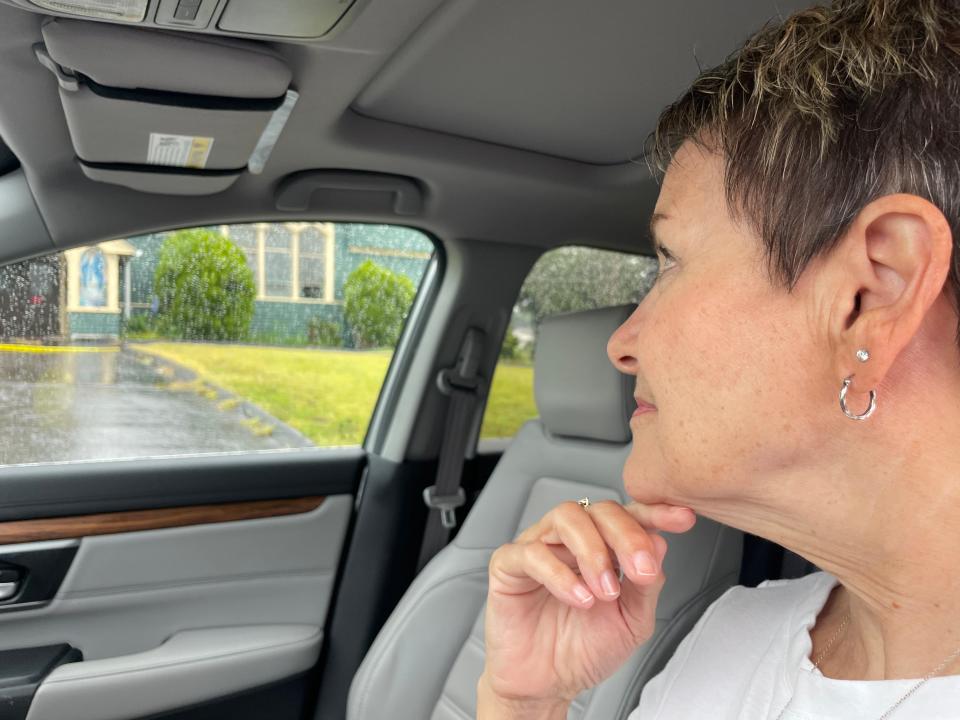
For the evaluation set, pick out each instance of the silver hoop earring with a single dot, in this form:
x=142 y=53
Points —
x=846 y=410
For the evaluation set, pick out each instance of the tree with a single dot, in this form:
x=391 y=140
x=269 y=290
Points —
x=205 y=287
x=375 y=304
x=579 y=278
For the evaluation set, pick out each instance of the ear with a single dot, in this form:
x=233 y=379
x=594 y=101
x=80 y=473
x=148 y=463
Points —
x=893 y=262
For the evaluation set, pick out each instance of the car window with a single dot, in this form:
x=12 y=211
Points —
x=214 y=339
x=565 y=279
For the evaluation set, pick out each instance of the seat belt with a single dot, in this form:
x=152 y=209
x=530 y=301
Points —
x=464 y=388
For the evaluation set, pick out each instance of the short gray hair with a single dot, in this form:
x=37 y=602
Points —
x=821 y=114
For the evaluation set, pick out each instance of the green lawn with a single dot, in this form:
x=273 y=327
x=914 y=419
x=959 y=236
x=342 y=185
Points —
x=511 y=400
x=328 y=395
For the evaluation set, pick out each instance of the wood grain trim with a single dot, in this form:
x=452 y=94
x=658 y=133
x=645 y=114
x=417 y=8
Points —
x=20 y=531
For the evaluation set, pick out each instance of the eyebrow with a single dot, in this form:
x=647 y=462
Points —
x=655 y=219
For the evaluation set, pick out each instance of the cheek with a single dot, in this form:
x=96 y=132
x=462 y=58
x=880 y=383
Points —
x=701 y=365
x=683 y=361
x=709 y=362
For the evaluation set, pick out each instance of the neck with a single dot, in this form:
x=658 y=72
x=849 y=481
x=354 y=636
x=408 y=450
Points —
x=886 y=523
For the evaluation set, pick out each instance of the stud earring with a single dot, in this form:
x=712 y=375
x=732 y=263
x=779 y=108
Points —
x=863 y=355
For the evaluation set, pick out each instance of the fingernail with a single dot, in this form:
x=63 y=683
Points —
x=609 y=583
x=582 y=593
x=684 y=513
x=644 y=563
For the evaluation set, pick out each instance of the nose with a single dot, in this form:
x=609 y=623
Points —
x=621 y=344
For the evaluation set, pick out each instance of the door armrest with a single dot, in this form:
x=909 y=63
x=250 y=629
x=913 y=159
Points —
x=191 y=667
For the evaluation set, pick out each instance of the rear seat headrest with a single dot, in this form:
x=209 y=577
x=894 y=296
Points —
x=578 y=391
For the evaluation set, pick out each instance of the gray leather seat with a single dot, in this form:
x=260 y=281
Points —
x=427 y=658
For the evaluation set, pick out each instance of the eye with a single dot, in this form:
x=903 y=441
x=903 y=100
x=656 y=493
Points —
x=665 y=259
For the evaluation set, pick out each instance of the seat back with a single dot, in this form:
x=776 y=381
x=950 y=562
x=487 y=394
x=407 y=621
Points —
x=429 y=655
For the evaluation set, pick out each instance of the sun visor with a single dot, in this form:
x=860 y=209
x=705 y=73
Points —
x=162 y=112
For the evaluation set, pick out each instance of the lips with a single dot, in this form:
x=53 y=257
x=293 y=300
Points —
x=643 y=406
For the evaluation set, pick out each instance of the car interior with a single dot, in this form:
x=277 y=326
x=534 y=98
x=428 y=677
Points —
x=348 y=580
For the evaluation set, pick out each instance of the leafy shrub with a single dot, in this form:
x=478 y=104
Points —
x=141 y=326
x=375 y=304
x=205 y=288
x=140 y=323
x=514 y=349
x=323 y=332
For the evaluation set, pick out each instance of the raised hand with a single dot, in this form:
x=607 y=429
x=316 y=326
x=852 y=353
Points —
x=558 y=618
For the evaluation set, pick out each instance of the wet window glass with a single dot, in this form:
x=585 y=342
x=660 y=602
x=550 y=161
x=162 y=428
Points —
x=245 y=238
x=217 y=339
x=565 y=279
x=312 y=249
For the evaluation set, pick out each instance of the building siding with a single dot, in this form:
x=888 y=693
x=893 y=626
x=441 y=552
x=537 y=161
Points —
x=84 y=324
x=279 y=320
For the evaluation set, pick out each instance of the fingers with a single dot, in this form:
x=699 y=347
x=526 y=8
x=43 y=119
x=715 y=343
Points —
x=576 y=529
x=632 y=544
x=591 y=533
x=658 y=516
x=670 y=518
x=519 y=568
x=638 y=601
x=661 y=547
x=593 y=541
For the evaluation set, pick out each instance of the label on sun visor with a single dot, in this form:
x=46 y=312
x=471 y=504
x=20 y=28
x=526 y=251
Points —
x=179 y=150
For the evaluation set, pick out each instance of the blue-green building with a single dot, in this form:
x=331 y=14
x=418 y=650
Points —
x=299 y=271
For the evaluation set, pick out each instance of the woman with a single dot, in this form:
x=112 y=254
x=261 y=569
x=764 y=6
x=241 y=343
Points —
x=806 y=228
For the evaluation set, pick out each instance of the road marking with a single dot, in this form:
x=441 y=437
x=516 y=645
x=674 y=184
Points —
x=10 y=347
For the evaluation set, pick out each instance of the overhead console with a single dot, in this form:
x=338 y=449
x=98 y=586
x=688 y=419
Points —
x=294 y=19
x=179 y=114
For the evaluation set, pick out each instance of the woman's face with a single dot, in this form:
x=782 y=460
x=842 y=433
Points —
x=735 y=367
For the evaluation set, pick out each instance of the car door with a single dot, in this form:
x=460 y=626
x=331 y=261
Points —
x=182 y=460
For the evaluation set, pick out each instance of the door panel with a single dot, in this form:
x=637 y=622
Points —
x=150 y=572
x=129 y=592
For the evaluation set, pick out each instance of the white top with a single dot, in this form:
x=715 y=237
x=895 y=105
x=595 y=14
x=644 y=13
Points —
x=748 y=655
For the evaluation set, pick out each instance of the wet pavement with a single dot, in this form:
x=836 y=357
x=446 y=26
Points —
x=110 y=403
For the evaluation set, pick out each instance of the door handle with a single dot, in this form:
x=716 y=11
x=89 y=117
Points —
x=31 y=574
x=8 y=590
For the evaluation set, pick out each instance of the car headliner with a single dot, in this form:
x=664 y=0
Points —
x=523 y=122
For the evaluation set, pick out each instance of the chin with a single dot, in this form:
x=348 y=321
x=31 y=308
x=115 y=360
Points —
x=641 y=487
x=649 y=485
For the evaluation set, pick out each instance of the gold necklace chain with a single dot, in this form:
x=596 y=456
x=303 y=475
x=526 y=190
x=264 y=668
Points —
x=907 y=694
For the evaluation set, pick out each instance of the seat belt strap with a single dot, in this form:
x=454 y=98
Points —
x=464 y=388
